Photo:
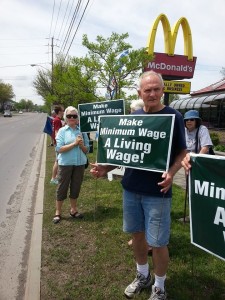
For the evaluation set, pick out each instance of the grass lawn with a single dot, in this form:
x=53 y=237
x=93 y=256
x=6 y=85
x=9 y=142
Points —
x=90 y=258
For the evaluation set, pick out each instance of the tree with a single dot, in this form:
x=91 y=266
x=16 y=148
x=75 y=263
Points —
x=173 y=97
x=43 y=85
x=73 y=84
x=110 y=65
x=69 y=84
x=6 y=93
x=23 y=104
x=114 y=64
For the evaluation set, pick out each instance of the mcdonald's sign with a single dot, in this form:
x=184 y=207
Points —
x=170 y=65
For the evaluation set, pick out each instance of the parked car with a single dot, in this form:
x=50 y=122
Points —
x=20 y=112
x=7 y=113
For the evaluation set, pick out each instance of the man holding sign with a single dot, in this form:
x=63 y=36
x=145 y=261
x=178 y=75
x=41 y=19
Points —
x=147 y=197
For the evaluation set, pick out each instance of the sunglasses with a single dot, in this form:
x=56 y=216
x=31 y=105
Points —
x=71 y=116
x=190 y=120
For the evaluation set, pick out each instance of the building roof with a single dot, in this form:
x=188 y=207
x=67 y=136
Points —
x=215 y=87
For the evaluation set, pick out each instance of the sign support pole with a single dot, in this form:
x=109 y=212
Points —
x=166 y=99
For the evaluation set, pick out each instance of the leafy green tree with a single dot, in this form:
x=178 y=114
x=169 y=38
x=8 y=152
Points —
x=69 y=84
x=114 y=64
x=6 y=93
x=173 y=97
x=87 y=79
x=25 y=105
x=73 y=84
x=43 y=84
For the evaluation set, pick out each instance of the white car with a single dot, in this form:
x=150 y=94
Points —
x=20 y=112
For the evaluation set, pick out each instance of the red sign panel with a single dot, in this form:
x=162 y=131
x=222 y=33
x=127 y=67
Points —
x=172 y=67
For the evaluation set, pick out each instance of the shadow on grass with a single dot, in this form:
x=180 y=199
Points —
x=195 y=272
x=100 y=214
x=188 y=281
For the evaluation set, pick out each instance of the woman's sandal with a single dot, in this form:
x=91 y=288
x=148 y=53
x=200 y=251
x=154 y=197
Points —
x=56 y=219
x=76 y=215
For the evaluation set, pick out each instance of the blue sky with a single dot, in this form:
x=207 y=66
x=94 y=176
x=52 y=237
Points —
x=26 y=28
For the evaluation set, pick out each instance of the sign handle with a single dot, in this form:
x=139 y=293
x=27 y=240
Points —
x=185 y=200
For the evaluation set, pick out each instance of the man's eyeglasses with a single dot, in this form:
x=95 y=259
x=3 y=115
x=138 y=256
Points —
x=190 y=120
x=71 y=116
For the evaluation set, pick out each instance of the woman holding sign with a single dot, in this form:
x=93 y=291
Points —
x=147 y=197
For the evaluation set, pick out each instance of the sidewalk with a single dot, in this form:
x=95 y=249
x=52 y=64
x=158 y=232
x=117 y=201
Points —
x=180 y=179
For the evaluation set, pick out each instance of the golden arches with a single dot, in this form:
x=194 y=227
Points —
x=170 y=36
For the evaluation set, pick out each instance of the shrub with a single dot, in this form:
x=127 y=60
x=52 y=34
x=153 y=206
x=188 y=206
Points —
x=215 y=138
x=220 y=148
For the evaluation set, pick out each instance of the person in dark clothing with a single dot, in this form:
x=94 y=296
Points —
x=56 y=125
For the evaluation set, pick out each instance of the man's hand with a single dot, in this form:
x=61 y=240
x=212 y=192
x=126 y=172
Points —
x=99 y=170
x=186 y=163
x=166 y=183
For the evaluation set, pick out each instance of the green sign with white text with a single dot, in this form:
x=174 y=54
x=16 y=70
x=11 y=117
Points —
x=137 y=141
x=89 y=113
x=207 y=203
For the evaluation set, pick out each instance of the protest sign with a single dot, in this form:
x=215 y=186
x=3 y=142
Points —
x=89 y=113
x=207 y=203
x=137 y=141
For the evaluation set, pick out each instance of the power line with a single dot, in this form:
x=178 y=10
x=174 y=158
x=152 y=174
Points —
x=64 y=19
x=77 y=28
x=71 y=26
x=57 y=18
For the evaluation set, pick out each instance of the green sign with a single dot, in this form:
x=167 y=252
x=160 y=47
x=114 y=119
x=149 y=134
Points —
x=89 y=113
x=137 y=141
x=207 y=203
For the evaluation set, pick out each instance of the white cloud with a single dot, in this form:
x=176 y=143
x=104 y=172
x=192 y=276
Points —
x=25 y=29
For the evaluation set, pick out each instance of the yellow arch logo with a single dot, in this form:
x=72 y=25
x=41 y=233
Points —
x=170 y=36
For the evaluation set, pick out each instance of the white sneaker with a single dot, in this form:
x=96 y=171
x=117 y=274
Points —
x=139 y=283
x=54 y=181
x=157 y=294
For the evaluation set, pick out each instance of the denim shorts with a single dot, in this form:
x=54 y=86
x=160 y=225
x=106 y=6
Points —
x=147 y=214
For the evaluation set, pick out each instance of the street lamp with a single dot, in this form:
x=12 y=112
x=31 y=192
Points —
x=37 y=65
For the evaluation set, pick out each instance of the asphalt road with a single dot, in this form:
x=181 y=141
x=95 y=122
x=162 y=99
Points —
x=21 y=148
